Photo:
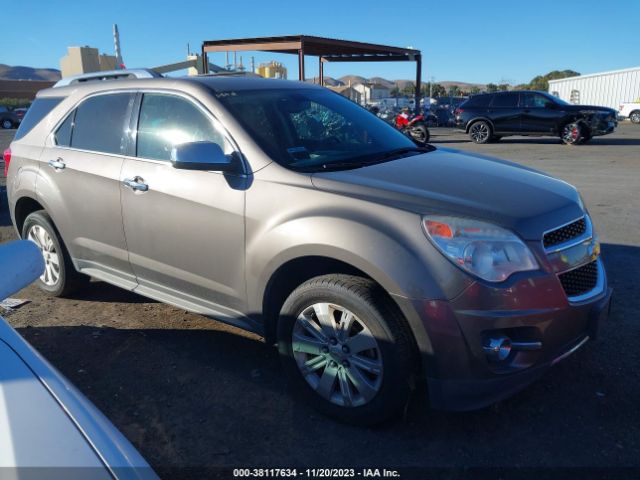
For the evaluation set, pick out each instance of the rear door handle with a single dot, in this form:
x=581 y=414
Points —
x=57 y=164
x=136 y=184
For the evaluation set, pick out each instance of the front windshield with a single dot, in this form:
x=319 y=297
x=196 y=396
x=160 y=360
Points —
x=310 y=129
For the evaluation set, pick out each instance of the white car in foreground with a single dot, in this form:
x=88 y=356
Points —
x=48 y=429
x=631 y=111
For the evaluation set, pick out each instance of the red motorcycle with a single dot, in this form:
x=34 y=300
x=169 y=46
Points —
x=415 y=126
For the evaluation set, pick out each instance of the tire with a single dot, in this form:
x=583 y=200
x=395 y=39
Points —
x=362 y=388
x=7 y=124
x=419 y=133
x=480 y=132
x=635 y=116
x=572 y=134
x=60 y=277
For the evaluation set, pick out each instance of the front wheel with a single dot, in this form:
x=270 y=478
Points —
x=60 y=277
x=7 y=124
x=572 y=134
x=480 y=132
x=345 y=349
x=635 y=116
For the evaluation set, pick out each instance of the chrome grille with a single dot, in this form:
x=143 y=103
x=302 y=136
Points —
x=564 y=234
x=580 y=280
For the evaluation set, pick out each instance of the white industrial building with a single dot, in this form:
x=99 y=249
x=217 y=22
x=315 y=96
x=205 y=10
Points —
x=606 y=89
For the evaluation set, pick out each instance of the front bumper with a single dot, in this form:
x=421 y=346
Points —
x=561 y=332
x=603 y=127
x=530 y=311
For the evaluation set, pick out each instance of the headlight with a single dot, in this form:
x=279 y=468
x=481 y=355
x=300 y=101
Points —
x=482 y=249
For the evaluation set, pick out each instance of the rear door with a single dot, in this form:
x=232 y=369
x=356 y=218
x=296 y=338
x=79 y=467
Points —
x=505 y=112
x=79 y=184
x=539 y=113
x=185 y=233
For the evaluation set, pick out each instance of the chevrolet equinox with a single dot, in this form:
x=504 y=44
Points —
x=373 y=263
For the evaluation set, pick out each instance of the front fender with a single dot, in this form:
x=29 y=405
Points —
x=391 y=252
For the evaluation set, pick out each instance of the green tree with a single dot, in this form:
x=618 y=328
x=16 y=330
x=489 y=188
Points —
x=492 y=87
x=438 y=90
x=395 y=92
x=474 y=90
x=541 y=82
x=409 y=89
x=503 y=87
x=454 y=91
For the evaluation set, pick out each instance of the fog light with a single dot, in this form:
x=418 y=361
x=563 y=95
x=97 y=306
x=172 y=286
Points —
x=497 y=348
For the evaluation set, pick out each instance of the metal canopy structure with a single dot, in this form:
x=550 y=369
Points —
x=326 y=49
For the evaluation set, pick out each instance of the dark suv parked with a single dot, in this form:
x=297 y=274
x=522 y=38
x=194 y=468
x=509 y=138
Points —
x=491 y=116
x=8 y=119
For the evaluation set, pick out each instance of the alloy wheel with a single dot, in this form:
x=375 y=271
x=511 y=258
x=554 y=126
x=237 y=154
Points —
x=43 y=240
x=571 y=133
x=479 y=132
x=337 y=354
x=7 y=124
x=635 y=117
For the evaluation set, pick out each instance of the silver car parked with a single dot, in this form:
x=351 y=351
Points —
x=286 y=209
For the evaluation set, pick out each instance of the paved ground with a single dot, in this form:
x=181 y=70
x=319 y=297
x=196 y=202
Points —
x=188 y=391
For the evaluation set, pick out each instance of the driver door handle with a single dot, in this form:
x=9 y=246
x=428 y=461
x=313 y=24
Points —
x=136 y=184
x=57 y=164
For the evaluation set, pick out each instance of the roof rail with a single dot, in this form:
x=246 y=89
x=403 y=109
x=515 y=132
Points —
x=108 y=75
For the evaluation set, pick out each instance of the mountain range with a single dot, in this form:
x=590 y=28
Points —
x=28 y=73
x=51 y=74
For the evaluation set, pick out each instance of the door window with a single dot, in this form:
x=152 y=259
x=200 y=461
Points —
x=100 y=123
x=505 y=100
x=168 y=120
x=535 y=100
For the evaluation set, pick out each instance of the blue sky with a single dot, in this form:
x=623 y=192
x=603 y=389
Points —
x=489 y=41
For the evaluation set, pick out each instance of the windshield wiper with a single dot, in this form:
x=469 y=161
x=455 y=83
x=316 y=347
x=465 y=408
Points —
x=384 y=157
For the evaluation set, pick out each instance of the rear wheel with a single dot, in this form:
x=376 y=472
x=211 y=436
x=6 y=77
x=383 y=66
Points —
x=420 y=133
x=635 y=116
x=60 y=277
x=480 y=132
x=7 y=124
x=572 y=134
x=345 y=349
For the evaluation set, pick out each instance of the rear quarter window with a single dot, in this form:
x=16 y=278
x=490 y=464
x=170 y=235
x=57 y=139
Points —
x=39 y=109
x=479 y=101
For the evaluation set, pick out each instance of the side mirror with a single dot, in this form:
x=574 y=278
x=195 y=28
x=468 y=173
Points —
x=200 y=156
x=21 y=263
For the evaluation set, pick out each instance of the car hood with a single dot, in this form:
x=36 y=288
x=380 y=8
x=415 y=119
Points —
x=591 y=108
x=451 y=182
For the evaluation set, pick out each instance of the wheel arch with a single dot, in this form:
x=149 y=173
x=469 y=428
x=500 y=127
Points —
x=24 y=207
x=478 y=119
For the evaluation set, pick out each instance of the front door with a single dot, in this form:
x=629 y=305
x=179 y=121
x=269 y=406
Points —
x=184 y=228
x=540 y=114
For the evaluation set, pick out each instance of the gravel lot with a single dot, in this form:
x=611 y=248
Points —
x=189 y=391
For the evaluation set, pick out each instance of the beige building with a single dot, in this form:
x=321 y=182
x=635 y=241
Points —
x=349 y=92
x=85 y=60
x=272 y=70
x=372 y=92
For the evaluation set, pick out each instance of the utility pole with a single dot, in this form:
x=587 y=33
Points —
x=116 y=41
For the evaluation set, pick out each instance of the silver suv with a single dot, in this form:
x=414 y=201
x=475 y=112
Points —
x=375 y=264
